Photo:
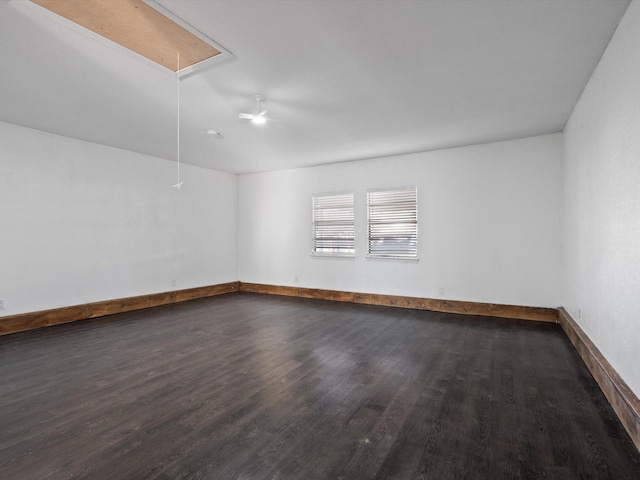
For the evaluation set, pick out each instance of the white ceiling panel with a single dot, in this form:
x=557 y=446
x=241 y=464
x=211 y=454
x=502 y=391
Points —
x=343 y=80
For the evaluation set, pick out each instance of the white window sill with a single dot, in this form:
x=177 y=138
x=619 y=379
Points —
x=334 y=255
x=394 y=259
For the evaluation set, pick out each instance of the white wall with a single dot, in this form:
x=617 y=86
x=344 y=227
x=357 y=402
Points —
x=601 y=284
x=489 y=224
x=82 y=222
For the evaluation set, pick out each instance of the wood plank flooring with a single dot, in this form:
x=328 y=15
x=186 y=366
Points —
x=250 y=386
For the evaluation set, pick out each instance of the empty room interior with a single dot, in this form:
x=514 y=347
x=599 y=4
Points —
x=319 y=239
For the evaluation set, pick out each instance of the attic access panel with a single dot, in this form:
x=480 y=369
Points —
x=150 y=31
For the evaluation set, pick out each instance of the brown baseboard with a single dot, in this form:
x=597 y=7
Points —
x=624 y=402
x=539 y=314
x=55 y=316
x=45 y=318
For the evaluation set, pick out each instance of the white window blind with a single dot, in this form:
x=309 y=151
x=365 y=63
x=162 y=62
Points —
x=393 y=223
x=333 y=225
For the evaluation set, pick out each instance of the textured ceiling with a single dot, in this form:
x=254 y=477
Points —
x=343 y=80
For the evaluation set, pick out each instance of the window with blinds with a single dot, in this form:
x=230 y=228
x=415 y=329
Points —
x=393 y=223
x=333 y=225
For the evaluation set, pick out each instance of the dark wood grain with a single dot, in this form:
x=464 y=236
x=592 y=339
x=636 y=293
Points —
x=540 y=314
x=624 y=402
x=272 y=387
x=56 y=316
x=270 y=289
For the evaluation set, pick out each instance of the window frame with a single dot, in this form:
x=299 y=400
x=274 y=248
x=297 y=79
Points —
x=413 y=255
x=314 y=226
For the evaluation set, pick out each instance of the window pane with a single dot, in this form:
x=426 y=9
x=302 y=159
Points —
x=393 y=223
x=333 y=224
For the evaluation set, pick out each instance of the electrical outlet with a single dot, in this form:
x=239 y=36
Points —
x=441 y=291
x=579 y=314
x=295 y=280
x=1 y=304
x=173 y=282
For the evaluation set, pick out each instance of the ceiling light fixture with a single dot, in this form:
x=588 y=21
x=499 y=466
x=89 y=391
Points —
x=257 y=118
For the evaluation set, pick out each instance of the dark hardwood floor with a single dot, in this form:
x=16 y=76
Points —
x=248 y=386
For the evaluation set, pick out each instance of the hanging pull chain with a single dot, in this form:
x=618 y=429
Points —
x=179 y=184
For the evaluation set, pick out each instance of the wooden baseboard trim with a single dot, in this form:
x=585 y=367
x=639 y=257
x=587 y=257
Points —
x=539 y=314
x=55 y=316
x=45 y=318
x=623 y=401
